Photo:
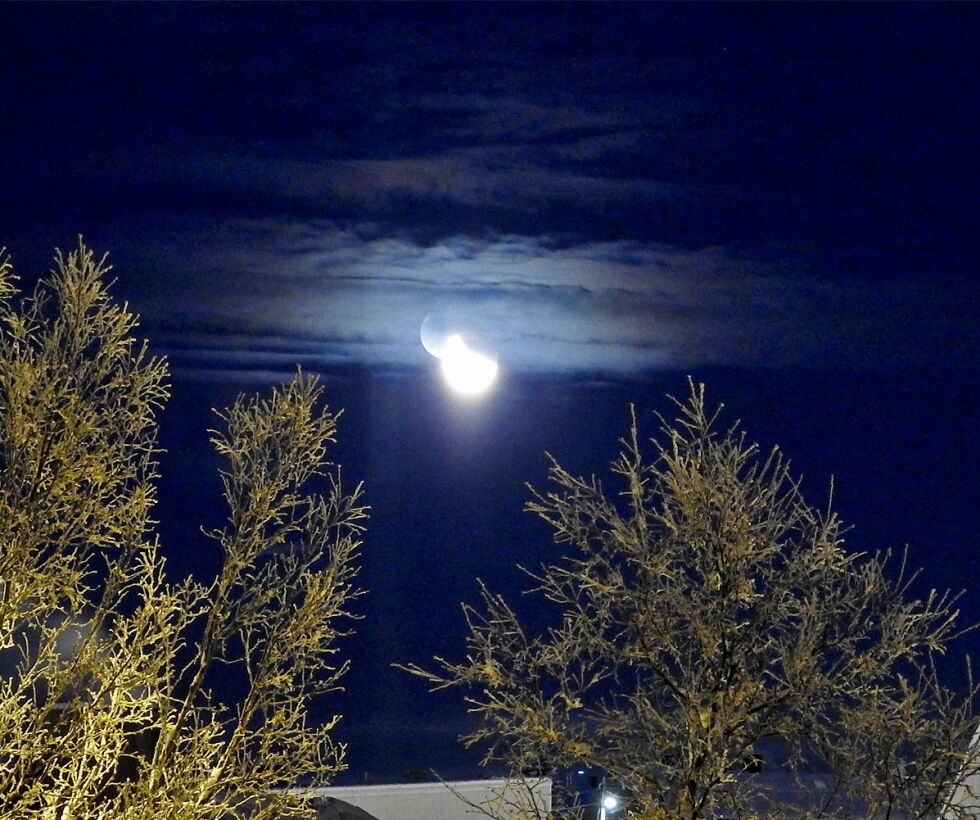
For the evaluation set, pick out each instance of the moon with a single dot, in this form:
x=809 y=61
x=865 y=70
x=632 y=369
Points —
x=465 y=370
x=433 y=334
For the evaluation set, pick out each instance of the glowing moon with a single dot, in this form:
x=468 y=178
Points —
x=465 y=370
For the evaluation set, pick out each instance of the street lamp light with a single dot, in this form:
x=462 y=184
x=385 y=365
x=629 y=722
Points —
x=610 y=803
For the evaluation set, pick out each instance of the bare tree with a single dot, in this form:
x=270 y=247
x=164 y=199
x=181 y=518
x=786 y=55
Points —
x=108 y=700
x=709 y=623
x=517 y=797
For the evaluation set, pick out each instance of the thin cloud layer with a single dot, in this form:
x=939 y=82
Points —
x=587 y=192
x=271 y=293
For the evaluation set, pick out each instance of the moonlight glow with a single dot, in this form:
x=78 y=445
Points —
x=465 y=370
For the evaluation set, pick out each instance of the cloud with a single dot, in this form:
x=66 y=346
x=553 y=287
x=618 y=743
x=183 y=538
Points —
x=270 y=293
x=631 y=206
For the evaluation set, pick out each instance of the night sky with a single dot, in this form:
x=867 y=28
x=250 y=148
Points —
x=779 y=200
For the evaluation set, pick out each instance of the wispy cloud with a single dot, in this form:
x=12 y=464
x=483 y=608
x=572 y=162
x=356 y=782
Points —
x=641 y=204
x=269 y=293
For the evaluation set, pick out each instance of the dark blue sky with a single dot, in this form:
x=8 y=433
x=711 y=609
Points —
x=777 y=199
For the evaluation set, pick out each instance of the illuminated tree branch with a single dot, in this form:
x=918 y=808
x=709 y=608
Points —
x=109 y=706
x=709 y=621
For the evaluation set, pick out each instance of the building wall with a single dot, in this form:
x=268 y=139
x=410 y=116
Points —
x=965 y=801
x=444 y=801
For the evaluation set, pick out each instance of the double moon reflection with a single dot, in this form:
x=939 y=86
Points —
x=467 y=371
